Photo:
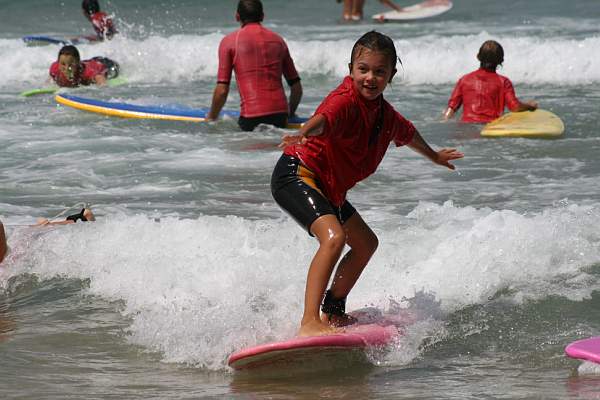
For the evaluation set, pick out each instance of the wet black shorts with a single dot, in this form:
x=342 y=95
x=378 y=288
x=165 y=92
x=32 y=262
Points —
x=278 y=120
x=296 y=190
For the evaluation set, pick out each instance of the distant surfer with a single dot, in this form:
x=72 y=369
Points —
x=342 y=144
x=353 y=9
x=484 y=93
x=70 y=71
x=259 y=58
x=84 y=215
x=102 y=23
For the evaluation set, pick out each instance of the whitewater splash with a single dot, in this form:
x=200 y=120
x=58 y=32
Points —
x=195 y=290
x=430 y=59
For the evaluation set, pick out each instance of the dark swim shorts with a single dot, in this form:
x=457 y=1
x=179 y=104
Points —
x=296 y=190
x=278 y=120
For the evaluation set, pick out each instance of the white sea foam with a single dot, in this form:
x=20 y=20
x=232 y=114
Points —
x=429 y=59
x=196 y=290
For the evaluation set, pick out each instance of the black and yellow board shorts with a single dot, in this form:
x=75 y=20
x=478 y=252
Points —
x=296 y=189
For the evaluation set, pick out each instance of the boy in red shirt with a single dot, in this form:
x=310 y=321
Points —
x=342 y=144
x=70 y=71
x=484 y=93
x=103 y=25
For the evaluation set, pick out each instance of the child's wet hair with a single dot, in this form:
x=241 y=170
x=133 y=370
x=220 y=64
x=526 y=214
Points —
x=377 y=42
x=250 y=11
x=90 y=6
x=490 y=55
x=69 y=50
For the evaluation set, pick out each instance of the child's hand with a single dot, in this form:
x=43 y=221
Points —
x=533 y=105
x=446 y=155
x=286 y=140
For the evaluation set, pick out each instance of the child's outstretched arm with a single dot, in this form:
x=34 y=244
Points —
x=441 y=157
x=314 y=127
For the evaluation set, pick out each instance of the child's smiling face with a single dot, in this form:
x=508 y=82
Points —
x=68 y=66
x=371 y=71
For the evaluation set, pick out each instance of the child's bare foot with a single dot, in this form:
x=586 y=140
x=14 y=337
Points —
x=337 y=320
x=316 y=328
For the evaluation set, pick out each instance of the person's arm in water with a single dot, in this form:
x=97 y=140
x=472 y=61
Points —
x=440 y=157
x=218 y=101
x=295 y=97
x=314 y=127
x=391 y=4
x=3 y=245
x=449 y=113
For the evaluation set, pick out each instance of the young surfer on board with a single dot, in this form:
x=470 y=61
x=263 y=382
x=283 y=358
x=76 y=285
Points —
x=69 y=71
x=342 y=144
x=103 y=25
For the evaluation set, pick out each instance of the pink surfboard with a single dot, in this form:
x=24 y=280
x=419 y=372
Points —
x=355 y=337
x=585 y=349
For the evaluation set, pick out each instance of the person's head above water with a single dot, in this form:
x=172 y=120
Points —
x=374 y=41
x=69 y=62
x=249 y=11
x=490 y=55
x=90 y=7
x=372 y=64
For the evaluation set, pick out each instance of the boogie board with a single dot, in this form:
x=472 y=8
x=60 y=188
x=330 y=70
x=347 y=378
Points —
x=53 y=89
x=585 y=349
x=162 y=112
x=45 y=40
x=534 y=124
x=425 y=9
x=373 y=330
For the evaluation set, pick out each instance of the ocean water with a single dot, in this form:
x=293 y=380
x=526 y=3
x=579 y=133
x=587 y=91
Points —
x=191 y=259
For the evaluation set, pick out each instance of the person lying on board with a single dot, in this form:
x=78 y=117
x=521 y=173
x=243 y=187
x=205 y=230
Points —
x=484 y=93
x=103 y=25
x=353 y=9
x=84 y=215
x=259 y=57
x=342 y=144
x=70 y=71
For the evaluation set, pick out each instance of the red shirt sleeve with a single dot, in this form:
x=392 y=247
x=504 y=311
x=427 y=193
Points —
x=456 y=98
x=288 y=67
x=510 y=98
x=337 y=110
x=226 y=59
x=404 y=130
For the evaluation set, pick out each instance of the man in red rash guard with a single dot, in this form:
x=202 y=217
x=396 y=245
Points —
x=259 y=58
x=484 y=93
x=103 y=25
x=70 y=71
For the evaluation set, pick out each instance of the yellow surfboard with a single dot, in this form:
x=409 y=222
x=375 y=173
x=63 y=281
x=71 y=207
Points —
x=534 y=124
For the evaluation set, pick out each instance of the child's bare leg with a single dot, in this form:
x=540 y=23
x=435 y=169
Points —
x=363 y=242
x=332 y=239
